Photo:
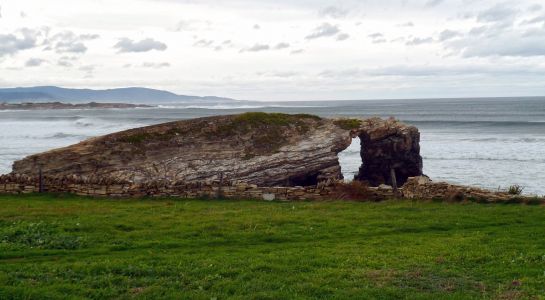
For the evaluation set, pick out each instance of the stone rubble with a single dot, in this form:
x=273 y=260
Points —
x=416 y=188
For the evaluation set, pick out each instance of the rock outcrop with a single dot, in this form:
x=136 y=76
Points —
x=390 y=145
x=256 y=148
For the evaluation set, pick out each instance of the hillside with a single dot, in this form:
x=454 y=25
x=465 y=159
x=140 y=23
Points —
x=131 y=94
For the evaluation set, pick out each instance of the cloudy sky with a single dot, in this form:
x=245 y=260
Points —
x=279 y=49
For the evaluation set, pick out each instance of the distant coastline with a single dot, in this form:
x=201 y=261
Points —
x=123 y=95
x=60 y=105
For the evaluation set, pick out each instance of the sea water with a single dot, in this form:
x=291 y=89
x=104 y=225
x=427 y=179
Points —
x=491 y=143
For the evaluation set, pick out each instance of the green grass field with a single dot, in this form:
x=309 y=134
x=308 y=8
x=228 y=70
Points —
x=70 y=247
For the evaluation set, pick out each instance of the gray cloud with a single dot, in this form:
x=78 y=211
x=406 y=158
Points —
x=419 y=41
x=257 y=27
x=280 y=46
x=535 y=7
x=343 y=37
x=278 y=74
x=324 y=30
x=69 y=42
x=499 y=41
x=377 y=38
x=216 y=46
x=155 y=65
x=478 y=30
x=497 y=13
x=431 y=70
x=185 y=26
x=145 y=45
x=88 y=70
x=297 y=51
x=265 y=47
x=192 y=25
x=34 y=62
x=333 y=12
x=203 y=43
x=22 y=39
x=534 y=20
x=447 y=35
x=432 y=3
x=257 y=48
x=64 y=63
x=406 y=24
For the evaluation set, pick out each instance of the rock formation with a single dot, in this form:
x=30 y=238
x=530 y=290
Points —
x=256 y=148
x=387 y=145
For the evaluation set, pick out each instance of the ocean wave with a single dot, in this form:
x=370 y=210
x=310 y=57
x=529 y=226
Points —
x=504 y=140
x=483 y=159
x=228 y=106
x=62 y=135
x=474 y=123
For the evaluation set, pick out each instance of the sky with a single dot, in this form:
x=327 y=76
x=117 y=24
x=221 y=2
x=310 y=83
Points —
x=279 y=49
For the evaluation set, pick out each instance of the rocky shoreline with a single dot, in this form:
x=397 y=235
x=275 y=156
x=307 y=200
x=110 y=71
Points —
x=61 y=105
x=251 y=155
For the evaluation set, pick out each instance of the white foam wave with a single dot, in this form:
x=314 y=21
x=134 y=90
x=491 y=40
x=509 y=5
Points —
x=226 y=107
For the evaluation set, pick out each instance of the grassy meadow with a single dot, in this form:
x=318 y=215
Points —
x=70 y=247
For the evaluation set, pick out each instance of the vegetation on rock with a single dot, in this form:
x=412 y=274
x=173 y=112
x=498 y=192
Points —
x=348 y=124
x=515 y=190
x=271 y=130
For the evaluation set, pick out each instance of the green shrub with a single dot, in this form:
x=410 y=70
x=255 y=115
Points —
x=515 y=190
x=348 y=124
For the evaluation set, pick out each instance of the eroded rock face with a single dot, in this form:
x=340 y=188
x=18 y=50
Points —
x=257 y=148
x=388 y=144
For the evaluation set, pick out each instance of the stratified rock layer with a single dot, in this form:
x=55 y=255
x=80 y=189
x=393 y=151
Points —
x=257 y=148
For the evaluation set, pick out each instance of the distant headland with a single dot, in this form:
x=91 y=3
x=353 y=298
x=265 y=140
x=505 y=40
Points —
x=129 y=94
x=60 y=105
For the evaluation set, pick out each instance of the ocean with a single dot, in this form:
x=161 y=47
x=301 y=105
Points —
x=485 y=142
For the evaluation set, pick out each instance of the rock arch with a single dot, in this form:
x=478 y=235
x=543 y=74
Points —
x=257 y=148
x=386 y=145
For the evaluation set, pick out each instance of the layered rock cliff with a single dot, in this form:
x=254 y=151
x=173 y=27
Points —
x=257 y=148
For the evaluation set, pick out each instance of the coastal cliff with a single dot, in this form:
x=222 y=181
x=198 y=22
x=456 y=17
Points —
x=256 y=148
